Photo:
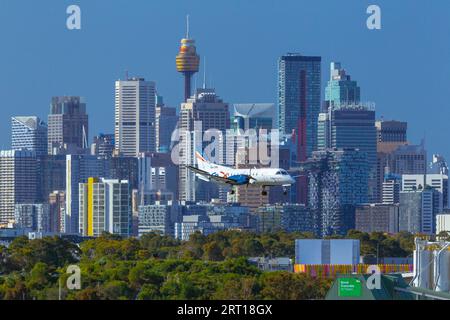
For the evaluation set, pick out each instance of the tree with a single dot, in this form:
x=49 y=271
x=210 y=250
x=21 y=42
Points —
x=39 y=277
x=291 y=286
x=212 y=251
x=148 y=292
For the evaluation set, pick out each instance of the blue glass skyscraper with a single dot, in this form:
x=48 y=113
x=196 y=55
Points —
x=299 y=92
x=29 y=133
x=341 y=89
x=348 y=123
x=299 y=100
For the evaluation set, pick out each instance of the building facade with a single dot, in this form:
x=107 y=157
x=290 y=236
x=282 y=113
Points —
x=418 y=210
x=68 y=126
x=135 y=102
x=351 y=126
x=165 y=124
x=18 y=181
x=299 y=97
x=105 y=206
x=103 y=145
x=78 y=169
x=29 y=133
x=327 y=252
x=35 y=217
x=204 y=112
x=284 y=217
x=57 y=207
x=341 y=89
x=158 y=218
x=377 y=218
x=338 y=181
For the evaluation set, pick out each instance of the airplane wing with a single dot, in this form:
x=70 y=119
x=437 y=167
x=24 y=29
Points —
x=212 y=177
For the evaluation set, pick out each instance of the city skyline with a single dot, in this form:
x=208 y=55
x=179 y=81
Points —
x=258 y=83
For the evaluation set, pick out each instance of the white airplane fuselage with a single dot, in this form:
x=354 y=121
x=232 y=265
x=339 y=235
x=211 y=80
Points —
x=261 y=176
x=258 y=176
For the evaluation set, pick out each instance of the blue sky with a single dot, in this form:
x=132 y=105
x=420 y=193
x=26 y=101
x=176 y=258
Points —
x=404 y=68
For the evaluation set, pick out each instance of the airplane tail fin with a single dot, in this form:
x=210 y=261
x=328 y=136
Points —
x=201 y=162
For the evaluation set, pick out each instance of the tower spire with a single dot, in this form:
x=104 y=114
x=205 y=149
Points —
x=204 y=75
x=187 y=26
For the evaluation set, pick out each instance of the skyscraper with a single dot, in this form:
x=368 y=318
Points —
x=135 y=117
x=29 y=133
x=299 y=98
x=418 y=210
x=390 y=136
x=208 y=110
x=409 y=159
x=18 y=181
x=341 y=89
x=439 y=182
x=78 y=169
x=188 y=62
x=105 y=206
x=338 y=180
x=51 y=175
x=165 y=124
x=68 y=125
x=391 y=131
x=352 y=126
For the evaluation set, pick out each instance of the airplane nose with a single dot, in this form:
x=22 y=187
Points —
x=292 y=180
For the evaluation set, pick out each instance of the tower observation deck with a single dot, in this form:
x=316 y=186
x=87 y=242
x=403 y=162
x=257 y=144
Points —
x=188 y=61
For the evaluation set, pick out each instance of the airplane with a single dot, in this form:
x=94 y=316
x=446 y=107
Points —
x=265 y=177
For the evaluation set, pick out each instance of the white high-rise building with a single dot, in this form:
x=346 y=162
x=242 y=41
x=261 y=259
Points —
x=105 y=206
x=18 y=181
x=135 y=117
x=439 y=182
x=78 y=169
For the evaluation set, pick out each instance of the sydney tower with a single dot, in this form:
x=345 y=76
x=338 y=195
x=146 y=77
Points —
x=188 y=62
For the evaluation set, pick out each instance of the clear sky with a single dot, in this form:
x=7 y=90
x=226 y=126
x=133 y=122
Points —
x=404 y=68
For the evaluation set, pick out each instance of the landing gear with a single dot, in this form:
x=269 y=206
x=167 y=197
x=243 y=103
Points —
x=285 y=191
x=232 y=192
x=264 y=192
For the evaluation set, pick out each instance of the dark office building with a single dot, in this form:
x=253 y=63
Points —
x=377 y=218
x=68 y=126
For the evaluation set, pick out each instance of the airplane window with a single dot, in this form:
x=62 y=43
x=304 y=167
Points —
x=278 y=173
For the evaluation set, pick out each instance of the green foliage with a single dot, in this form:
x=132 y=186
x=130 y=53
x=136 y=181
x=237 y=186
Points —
x=157 y=267
x=399 y=245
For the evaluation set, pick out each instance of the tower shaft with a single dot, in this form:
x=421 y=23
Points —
x=187 y=85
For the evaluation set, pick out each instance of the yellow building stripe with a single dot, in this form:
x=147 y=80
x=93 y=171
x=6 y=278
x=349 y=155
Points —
x=90 y=217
